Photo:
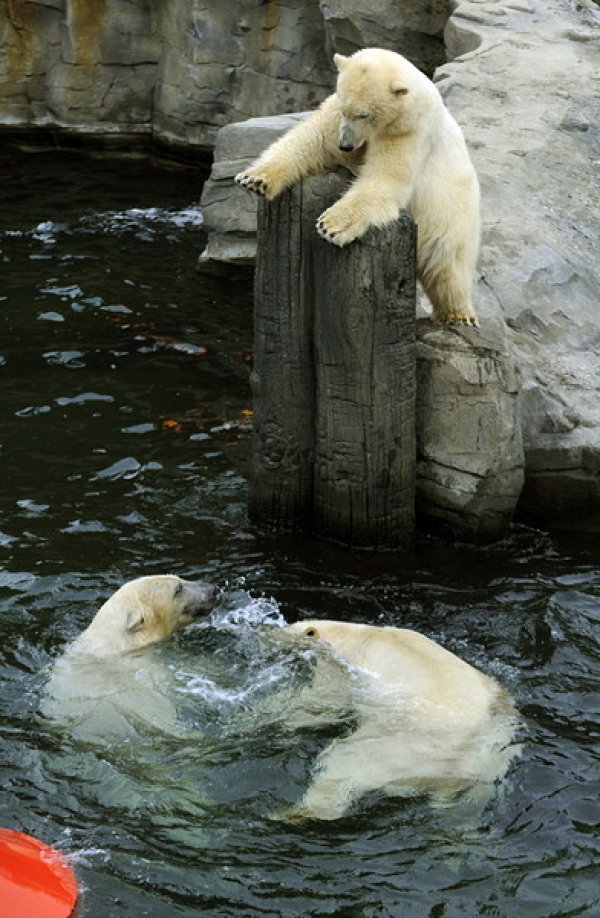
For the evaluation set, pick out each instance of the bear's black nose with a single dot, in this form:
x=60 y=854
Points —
x=346 y=147
x=205 y=595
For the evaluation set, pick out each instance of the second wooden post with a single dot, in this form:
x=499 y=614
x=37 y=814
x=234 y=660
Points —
x=334 y=377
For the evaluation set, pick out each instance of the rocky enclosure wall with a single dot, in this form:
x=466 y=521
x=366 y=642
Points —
x=523 y=84
x=178 y=70
x=522 y=80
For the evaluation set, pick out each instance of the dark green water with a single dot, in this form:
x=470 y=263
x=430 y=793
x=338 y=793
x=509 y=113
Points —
x=124 y=449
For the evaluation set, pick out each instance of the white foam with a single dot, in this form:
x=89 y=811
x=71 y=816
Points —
x=138 y=218
x=247 y=611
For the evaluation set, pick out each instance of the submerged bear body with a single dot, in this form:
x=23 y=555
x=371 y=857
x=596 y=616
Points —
x=426 y=722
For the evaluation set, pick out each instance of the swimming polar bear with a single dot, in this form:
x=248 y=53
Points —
x=103 y=685
x=427 y=722
x=145 y=611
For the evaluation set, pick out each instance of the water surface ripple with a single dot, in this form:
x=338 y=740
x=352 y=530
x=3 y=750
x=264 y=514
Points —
x=124 y=447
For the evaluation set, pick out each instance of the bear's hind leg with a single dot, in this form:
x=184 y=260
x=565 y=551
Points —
x=339 y=781
x=448 y=287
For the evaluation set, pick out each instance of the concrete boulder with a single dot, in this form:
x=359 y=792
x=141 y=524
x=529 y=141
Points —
x=469 y=443
x=229 y=211
x=522 y=85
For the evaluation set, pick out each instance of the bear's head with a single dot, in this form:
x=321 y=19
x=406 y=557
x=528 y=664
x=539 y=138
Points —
x=309 y=629
x=346 y=639
x=145 y=611
x=380 y=94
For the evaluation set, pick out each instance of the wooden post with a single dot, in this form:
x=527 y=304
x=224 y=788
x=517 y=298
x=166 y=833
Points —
x=334 y=376
x=281 y=492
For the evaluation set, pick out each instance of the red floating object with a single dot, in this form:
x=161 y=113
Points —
x=36 y=881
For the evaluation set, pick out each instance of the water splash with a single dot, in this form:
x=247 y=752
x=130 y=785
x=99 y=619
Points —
x=242 y=666
x=143 y=221
x=241 y=610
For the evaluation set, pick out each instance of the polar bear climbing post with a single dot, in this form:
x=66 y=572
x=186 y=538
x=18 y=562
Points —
x=388 y=125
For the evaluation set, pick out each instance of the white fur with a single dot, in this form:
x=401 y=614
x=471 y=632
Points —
x=103 y=685
x=427 y=722
x=407 y=152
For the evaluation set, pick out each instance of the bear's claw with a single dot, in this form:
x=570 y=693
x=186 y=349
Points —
x=253 y=183
x=328 y=235
x=453 y=320
x=470 y=321
x=338 y=226
x=324 y=232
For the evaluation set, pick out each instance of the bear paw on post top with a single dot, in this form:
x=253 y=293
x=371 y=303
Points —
x=387 y=124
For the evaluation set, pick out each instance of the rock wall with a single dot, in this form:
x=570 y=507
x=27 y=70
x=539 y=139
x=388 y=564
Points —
x=524 y=86
x=521 y=79
x=178 y=70
x=470 y=465
x=83 y=66
x=522 y=83
x=412 y=27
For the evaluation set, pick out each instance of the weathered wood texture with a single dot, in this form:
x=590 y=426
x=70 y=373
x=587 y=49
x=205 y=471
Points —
x=334 y=376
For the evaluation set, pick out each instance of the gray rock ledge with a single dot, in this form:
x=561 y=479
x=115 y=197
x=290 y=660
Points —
x=469 y=444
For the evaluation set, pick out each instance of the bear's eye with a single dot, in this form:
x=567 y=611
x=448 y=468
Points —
x=362 y=116
x=178 y=590
x=311 y=632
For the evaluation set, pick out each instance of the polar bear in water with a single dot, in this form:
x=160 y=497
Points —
x=104 y=685
x=427 y=722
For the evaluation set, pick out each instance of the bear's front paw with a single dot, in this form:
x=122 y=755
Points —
x=253 y=180
x=337 y=226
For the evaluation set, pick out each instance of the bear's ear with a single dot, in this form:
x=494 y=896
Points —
x=398 y=89
x=340 y=61
x=135 y=619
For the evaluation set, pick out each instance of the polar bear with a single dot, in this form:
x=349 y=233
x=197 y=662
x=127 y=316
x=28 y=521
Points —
x=144 y=611
x=387 y=124
x=103 y=685
x=427 y=723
